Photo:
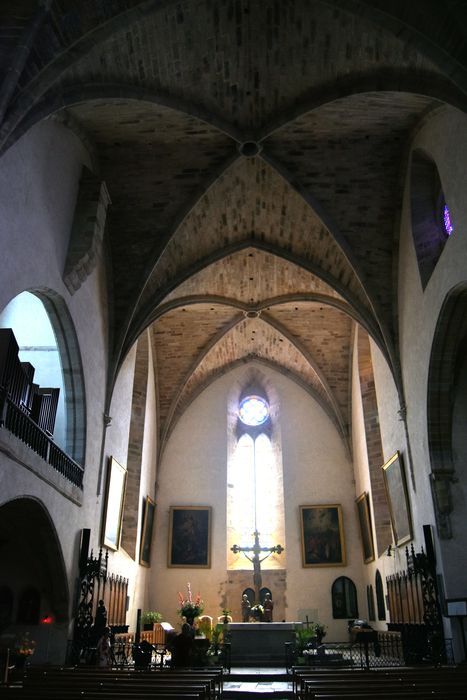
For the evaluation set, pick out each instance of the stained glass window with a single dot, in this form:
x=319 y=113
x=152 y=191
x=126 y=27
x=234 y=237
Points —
x=255 y=491
x=447 y=222
x=253 y=410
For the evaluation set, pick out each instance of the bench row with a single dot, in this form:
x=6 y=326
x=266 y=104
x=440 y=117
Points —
x=309 y=684
x=86 y=683
x=10 y=692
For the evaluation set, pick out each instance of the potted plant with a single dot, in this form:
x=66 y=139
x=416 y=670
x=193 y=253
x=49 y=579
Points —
x=149 y=617
x=226 y=616
x=214 y=652
x=303 y=637
x=320 y=631
x=307 y=638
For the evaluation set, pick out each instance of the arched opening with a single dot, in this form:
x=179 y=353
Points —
x=254 y=478
x=47 y=340
x=447 y=417
x=33 y=570
x=370 y=603
x=29 y=606
x=6 y=606
x=380 y=596
x=344 y=598
x=432 y=222
x=447 y=412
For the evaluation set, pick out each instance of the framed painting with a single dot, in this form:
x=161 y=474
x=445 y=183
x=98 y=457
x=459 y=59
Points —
x=114 y=500
x=146 y=532
x=190 y=537
x=398 y=499
x=366 y=531
x=322 y=534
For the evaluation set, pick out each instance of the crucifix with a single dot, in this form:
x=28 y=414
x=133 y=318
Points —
x=256 y=561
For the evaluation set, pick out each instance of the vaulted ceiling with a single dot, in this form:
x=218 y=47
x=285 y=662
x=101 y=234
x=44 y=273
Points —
x=254 y=152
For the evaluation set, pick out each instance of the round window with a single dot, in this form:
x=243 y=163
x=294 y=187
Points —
x=253 y=410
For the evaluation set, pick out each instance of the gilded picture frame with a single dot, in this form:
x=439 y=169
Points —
x=149 y=509
x=398 y=499
x=366 y=530
x=114 y=502
x=322 y=536
x=190 y=537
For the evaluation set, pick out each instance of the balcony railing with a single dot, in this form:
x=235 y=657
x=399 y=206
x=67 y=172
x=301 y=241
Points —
x=20 y=424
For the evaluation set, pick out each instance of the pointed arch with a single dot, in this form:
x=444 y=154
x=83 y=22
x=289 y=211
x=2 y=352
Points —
x=446 y=363
x=33 y=564
x=71 y=368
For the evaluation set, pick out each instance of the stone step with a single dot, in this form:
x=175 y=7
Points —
x=255 y=693
x=258 y=661
x=243 y=684
x=245 y=676
x=243 y=691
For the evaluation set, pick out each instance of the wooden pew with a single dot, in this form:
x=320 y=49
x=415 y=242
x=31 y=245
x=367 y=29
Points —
x=10 y=692
x=395 y=695
x=126 y=690
x=395 y=689
x=48 y=674
x=308 y=683
x=206 y=683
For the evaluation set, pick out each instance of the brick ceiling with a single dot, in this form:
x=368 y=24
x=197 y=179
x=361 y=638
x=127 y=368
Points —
x=253 y=153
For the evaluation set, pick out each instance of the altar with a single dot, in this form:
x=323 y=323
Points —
x=260 y=643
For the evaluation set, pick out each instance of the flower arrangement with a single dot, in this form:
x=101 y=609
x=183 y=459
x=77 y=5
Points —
x=190 y=608
x=257 y=611
x=25 y=646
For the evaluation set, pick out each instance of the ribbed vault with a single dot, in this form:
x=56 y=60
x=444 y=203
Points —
x=230 y=253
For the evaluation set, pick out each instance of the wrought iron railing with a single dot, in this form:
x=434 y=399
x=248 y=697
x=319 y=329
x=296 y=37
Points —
x=23 y=427
x=387 y=650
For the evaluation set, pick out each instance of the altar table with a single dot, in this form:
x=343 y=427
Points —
x=260 y=643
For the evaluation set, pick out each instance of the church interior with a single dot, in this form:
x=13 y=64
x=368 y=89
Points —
x=233 y=314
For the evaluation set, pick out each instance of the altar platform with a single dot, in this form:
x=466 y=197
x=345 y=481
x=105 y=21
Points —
x=253 y=681
x=260 y=643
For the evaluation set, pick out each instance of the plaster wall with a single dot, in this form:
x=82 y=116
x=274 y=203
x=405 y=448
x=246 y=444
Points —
x=316 y=471
x=116 y=445
x=38 y=186
x=39 y=180
x=443 y=136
